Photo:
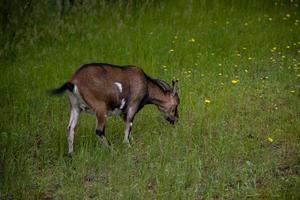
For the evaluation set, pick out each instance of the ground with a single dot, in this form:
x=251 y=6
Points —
x=238 y=66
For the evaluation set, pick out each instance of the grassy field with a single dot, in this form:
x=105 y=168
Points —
x=238 y=65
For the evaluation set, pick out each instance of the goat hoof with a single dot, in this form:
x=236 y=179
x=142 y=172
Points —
x=70 y=155
x=105 y=143
x=127 y=142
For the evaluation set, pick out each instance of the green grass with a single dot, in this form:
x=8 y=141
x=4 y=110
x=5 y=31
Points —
x=218 y=150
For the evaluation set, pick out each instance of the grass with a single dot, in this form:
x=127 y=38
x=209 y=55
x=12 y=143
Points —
x=242 y=143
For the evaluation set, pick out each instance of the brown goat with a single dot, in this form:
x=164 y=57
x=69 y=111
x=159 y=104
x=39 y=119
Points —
x=106 y=89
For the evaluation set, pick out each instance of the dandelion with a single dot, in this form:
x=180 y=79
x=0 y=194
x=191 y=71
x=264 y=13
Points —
x=288 y=15
x=283 y=56
x=234 y=82
x=207 y=101
x=220 y=74
x=244 y=48
x=270 y=139
x=246 y=24
x=192 y=40
x=270 y=19
x=220 y=64
x=250 y=58
x=175 y=37
x=239 y=55
x=164 y=66
x=171 y=50
x=292 y=91
x=246 y=70
x=287 y=46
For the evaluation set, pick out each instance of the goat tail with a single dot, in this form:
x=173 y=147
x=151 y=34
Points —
x=66 y=86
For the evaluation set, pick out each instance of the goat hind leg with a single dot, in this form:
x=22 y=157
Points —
x=100 y=129
x=71 y=128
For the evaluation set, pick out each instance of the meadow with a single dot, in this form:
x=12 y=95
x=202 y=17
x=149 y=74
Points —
x=238 y=66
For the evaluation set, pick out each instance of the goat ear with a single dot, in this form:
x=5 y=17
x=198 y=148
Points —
x=174 y=87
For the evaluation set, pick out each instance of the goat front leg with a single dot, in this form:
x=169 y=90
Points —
x=128 y=124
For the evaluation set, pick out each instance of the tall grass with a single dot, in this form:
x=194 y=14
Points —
x=242 y=142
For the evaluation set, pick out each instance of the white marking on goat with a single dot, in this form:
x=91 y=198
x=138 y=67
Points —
x=122 y=104
x=119 y=85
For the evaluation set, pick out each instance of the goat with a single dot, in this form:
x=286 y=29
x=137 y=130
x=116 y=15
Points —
x=105 y=89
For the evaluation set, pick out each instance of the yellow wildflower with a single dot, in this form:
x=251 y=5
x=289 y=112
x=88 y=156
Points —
x=270 y=139
x=192 y=40
x=207 y=101
x=171 y=50
x=234 y=82
x=293 y=91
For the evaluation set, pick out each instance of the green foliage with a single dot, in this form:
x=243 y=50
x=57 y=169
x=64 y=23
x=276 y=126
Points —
x=238 y=68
